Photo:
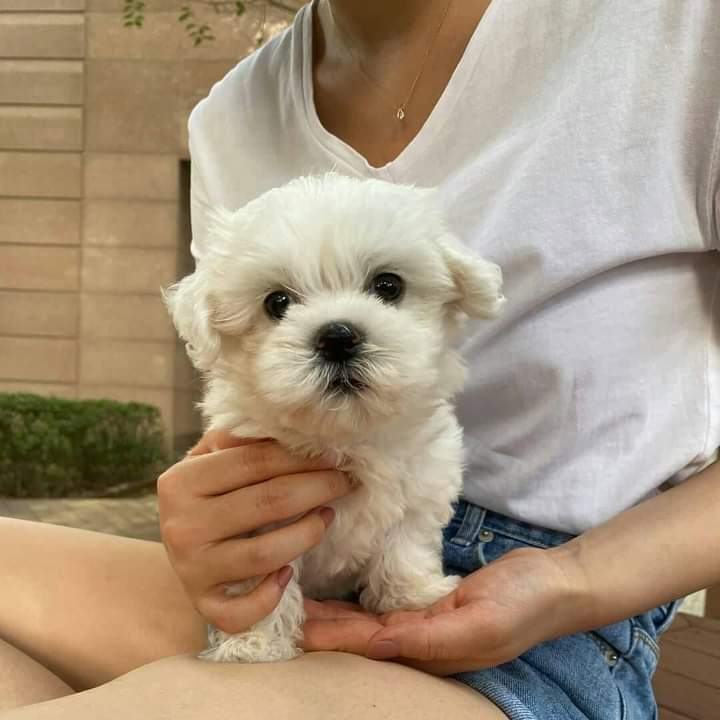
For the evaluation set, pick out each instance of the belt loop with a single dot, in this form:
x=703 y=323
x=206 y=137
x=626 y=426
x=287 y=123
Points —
x=472 y=521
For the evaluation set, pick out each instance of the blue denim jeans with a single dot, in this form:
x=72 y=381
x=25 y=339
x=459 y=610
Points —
x=601 y=675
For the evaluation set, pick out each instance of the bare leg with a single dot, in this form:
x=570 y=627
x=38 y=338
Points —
x=24 y=681
x=316 y=686
x=88 y=606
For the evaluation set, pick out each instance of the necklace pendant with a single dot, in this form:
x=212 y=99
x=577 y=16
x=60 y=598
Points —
x=400 y=114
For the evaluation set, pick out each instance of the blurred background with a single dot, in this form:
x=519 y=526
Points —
x=94 y=174
x=94 y=220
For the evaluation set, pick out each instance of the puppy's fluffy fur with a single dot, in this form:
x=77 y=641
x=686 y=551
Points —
x=384 y=414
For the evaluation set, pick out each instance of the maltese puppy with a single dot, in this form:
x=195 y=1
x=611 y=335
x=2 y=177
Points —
x=324 y=315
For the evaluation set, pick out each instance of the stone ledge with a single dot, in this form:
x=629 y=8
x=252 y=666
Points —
x=124 y=270
x=34 y=313
x=41 y=174
x=38 y=35
x=116 y=362
x=132 y=317
x=44 y=5
x=38 y=359
x=37 y=267
x=131 y=223
x=40 y=128
x=40 y=222
x=41 y=82
x=141 y=177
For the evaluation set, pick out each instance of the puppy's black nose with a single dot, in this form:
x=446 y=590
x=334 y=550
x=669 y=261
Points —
x=338 y=341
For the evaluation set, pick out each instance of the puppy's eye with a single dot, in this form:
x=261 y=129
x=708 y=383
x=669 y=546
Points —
x=388 y=287
x=277 y=304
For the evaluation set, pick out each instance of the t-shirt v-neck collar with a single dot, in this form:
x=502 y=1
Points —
x=345 y=154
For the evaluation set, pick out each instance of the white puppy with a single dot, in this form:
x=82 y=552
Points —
x=324 y=315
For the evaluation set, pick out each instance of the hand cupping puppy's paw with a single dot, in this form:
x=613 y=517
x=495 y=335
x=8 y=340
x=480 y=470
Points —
x=406 y=596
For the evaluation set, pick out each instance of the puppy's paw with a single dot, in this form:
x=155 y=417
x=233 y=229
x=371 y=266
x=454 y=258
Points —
x=438 y=589
x=416 y=595
x=249 y=647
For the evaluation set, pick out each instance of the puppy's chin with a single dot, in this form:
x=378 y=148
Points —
x=343 y=385
x=333 y=400
x=296 y=402
x=343 y=407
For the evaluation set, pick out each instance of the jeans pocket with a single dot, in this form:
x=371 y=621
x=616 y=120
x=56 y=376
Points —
x=662 y=617
x=615 y=641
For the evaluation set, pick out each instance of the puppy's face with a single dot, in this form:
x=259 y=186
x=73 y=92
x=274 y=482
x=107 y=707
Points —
x=328 y=304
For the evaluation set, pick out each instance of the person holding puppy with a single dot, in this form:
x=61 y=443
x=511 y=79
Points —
x=577 y=145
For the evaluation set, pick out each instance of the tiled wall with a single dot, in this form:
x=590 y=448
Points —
x=42 y=45
x=93 y=216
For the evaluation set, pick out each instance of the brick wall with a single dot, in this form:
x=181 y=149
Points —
x=93 y=194
x=41 y=165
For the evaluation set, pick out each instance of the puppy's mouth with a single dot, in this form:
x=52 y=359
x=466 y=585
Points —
x=345 y=380
x=346 y=386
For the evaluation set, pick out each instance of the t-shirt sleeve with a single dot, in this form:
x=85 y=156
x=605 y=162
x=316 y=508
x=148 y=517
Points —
x=714 y=191
x=715 y=210
x=199 y=199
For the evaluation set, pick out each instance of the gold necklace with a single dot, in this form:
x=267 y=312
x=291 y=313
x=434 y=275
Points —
x=399 y=109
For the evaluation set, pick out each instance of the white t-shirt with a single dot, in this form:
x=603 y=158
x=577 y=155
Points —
x=577 y=146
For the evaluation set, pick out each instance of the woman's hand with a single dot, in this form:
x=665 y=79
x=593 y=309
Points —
x=213 y=500
x=494 y=615
x=629 y=564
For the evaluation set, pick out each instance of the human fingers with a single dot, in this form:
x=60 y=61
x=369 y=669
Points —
x=448 y=636
x=216 y=473
x=334 y=609
x=236 y=613
x=264 y=503
x=248 y=557
x=214 y=440
x=343 y=634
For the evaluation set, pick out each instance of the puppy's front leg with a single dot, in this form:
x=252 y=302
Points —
x=408 y=573
x=276 y=637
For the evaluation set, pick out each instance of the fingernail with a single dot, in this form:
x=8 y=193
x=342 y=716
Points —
x=328 y=515
x=284 y=576
x=383 y=650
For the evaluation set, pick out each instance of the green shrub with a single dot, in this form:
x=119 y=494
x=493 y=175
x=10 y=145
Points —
x=52 y=447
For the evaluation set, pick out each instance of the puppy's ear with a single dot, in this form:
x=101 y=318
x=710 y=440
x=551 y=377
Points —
x=189 y=301
x=190 y=307
x=478 y=282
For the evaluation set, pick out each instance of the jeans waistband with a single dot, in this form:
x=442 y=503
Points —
x=471 y=520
